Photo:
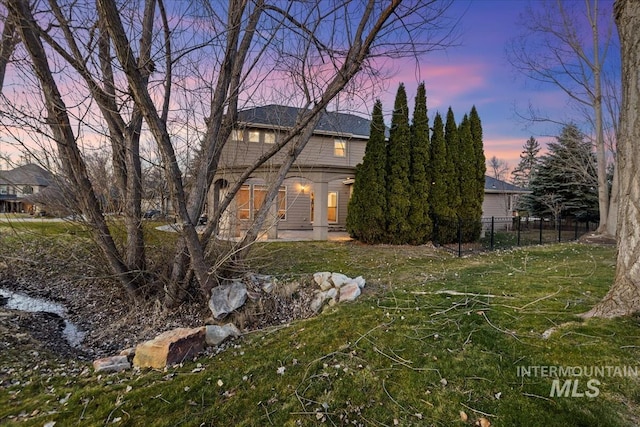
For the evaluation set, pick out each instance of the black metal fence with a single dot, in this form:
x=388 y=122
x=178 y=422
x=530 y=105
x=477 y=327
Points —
x=507 y=232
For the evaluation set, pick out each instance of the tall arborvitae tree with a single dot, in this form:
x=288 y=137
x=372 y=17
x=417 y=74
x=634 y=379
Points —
x=521 y=175
x=398 y=162
x=452 y=142
x=366 y=217
x=419 y=219
x=439 y=171
x=480 y=168
x=466 y=171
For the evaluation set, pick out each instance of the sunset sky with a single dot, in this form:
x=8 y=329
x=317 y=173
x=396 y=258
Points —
x=477 y=73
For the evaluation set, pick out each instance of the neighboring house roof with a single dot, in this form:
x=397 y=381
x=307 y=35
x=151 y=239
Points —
x=493 y=185
x=30 y=174
x=281 y=116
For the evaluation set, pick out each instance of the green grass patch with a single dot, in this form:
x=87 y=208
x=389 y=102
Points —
x=431 y=336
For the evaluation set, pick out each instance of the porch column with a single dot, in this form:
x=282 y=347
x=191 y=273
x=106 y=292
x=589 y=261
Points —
x=320 y=220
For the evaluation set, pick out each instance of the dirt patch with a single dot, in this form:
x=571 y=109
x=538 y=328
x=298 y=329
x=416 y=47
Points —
x=112 y=323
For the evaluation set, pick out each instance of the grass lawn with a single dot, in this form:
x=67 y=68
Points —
x=433 y=336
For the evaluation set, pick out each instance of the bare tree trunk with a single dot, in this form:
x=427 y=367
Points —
x=69 y=153
x=614 y=200
x=624 y=296
x=601 y=157
x=7 y=45
x=137 y=83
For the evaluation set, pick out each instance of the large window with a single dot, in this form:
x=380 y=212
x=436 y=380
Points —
x=237 y=135
x=339 y=147
x=251 y=198
x=243 y=199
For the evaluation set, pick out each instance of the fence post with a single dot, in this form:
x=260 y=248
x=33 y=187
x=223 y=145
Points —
x=540 y=227
x=559 y=228
x=459 y=237
x=519 y=227
x=492 y=231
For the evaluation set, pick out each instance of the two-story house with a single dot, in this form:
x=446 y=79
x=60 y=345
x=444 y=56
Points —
x=19 y=184
x=316 y=191
x=315 y=194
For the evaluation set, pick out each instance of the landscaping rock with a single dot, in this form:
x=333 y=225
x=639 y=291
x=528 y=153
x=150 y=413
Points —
x=339 y=279
x=227 y=298
x=216 y=335
x=169 y=348
x=360 y=281
x=326 y=285
x=111 y=364
x=322 y=276
x=349 y=292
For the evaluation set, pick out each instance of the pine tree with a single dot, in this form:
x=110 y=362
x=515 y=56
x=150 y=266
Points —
x=398 y=162
x=528 y=163
x=366 y=217
x=439 y=170
x=565 y=181
x=420 y=183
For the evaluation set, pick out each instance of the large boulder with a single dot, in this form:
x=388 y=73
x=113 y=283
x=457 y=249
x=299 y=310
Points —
x=227 y=298
x=169 y=348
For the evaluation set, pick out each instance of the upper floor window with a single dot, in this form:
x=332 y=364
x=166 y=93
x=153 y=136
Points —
x=237 y=135
x=27 y=189
x=339 y=147
x=269 y=138
x=254 y=136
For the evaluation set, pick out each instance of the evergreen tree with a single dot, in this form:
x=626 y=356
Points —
x=420 y=183
x=467 y=180
x=523 y=174
x=452 y=141
x=398 y=163
x=480 y=169
x=447 y=226
x=528 y=161
x=366 y=217
x=439 y=171
x=565 y=181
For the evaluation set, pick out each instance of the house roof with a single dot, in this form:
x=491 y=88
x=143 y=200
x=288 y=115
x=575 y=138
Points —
x=29 y=174
x=282 y=116
x=493 y=185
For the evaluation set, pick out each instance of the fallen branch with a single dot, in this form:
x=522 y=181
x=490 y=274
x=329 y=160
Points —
x=456 y=293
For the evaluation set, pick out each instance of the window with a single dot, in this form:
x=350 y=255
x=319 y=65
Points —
x=27 y=189
x=243 y=202
x=269 y=138
x=259 y=194
x=3 y=189
x=254 y=136
x=332 y=207
x=282 y=203
x=237 y=135
x=251 y=199
x=339 y=147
